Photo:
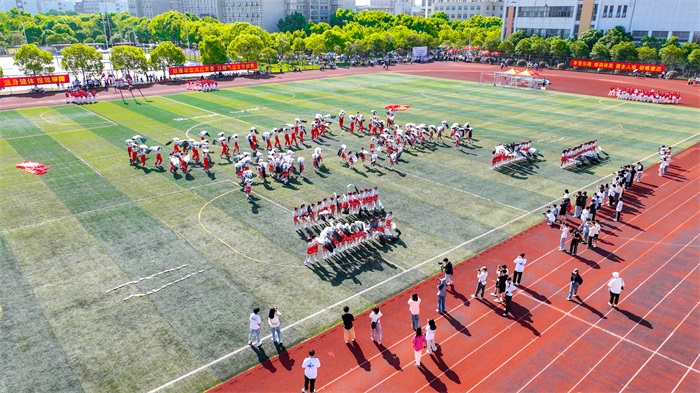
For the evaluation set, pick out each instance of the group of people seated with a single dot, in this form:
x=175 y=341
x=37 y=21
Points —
x=506 y=154
x=642 y=95
x=203 y=85
x=576 y=155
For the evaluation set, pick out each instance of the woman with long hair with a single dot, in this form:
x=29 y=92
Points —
x=418 y=345
x=273 y=319
x=430 y=336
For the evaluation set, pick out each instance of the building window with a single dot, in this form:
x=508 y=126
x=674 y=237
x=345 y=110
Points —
x=478 y=8
x=453 y=7
x=578 y=11
x=696 y=37
x=661 y=35
x=459 y=7
x=619 y=11
x=683 y=36
x=624 y=11
x=541 y=12
x=575 y=30
x=637 y=35
x=595 y=12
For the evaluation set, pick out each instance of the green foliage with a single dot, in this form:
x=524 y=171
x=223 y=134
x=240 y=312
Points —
x=579 y=49
x=623 y=51
x=246 y=47
x=539 y=46
x=33 y=61
x=506 y=47
x=646 y=54
x=167 y=55
x=559 y=47
x=516 y=37
x=590 y=37
x=167 y=26
x=600 y=52
x=672 y=55
x=614 y=36
x=128 y=58
x=670 y=41
x=212 y=50
x=342 y=17
x=524 y=46
x=651 y=42
x=694 y=58
x=292 y=22
x=82 y=59
x=440 y=15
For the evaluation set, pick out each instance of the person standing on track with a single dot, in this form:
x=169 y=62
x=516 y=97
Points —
x=481 y=276
x=575 y=240
x=520 y=262
x=273 y=319
x=254 y=326
x=510 y=288
x=348 y=328
x=618 y=209
x=430 y=336
x=564 y=235
x=376 y=325
x=616 y=285
x=311 y=366
x=418 y=344
x=640 y=169
x=414 y=308
x=447 y=268
x=441 y=294
x=576 y=280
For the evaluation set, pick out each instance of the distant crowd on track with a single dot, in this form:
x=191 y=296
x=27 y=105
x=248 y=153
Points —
x=577 y=218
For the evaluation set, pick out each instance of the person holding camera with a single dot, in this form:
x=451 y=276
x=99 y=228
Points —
x=500 y=283
x=446 y=266
x=481 y=276
x=510 y=288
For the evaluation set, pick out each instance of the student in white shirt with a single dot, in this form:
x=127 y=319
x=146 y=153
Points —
x=618 y=210
x=430 y=336
x=564 y=235
x=481 y=275
x=520 y=262
x=376 y=325
x=510 y=288
x=616 y=285
x=273 y=319
x=254 y=326
x=311 y=366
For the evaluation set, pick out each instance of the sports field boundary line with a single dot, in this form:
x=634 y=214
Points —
x=656 y=352
x=97 y=114
x=313 y=315
x=645 y=315
x=685 y=375
x=56 y=133
x=527 y=314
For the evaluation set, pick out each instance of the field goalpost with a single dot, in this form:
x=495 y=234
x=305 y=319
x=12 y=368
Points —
x=485 y=77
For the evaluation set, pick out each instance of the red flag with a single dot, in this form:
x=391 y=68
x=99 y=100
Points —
x=33 y=167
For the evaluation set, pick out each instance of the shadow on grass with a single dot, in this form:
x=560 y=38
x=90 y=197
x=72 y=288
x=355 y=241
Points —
x=263 y=359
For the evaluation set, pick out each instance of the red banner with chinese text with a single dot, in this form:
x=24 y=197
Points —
x=252 y=65
x=18 y=81
x=617 y=65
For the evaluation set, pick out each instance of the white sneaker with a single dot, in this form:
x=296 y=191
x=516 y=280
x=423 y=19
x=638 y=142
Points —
x=250 y=342
x=609 y=304
x=473 y=296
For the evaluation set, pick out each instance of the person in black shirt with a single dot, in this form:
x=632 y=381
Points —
x=348 y=328
x=447 y=268
x=575 y=240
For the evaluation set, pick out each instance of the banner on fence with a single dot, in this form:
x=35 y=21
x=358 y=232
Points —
x=23 y=81
x=617 y=65
x=180 y=70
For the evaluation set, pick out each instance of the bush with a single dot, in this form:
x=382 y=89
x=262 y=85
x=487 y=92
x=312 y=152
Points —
x=672 y=74
x=477 y=59
x=522 y=63
x=616 y=72
x=561 y=66
x=510 y=61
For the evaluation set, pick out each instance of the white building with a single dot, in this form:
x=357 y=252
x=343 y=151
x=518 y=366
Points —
x=263 y=13
x=566 y=18
x=465 y=9
x=38 y=6
x=151 y=8
x=100 y=6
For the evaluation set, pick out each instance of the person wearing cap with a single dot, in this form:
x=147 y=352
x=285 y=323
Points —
x=576 y=280
x=510 y=288
x=616 y=285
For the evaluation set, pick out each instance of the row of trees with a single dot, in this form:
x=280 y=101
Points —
x=84 y=60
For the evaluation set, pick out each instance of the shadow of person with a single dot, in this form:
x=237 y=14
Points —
x=264 y=359
x=432 y=379
x=525 y=319
x=359 y=356
x=536 y=295
x=286 y=361
x=635 y=318
x=591 y=309
x=390 y=357
x=437 y=358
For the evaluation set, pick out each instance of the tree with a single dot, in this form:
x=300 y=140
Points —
x=590 y=37
x=579 y=49
x=559 y=47
x=516 y=37
x=292 y=22
x=315 y=43
x=246 y=46
x=333 y=40
x=646 y=54
x=128 y=58
x=82 y=59
x=623 y=51
x=281 y=42
x=524 y=46
x=440 y=15
x=342 y=17
x=268 y=54
x=672 y=55
x=167 y=26
x=614 y=36
x=600 y=52
x=506 y=47
x=651 y=42
x=672 y=40
x=492 y=43
x=694 y=58
x=539 y=46
x=33 y=61
x=167 y=55
x=212 y=50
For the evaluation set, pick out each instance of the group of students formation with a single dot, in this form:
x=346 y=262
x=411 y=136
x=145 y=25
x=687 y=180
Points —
x=80 y=96
x=575 y=155
x=202 y=84
x=513 y=152
x=644 y=95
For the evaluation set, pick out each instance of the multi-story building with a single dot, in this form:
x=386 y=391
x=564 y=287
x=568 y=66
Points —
x=38 y=6
x=263 y=13
x=151 y=8
x=100 y=6
x=465 y=9
x=567 y=18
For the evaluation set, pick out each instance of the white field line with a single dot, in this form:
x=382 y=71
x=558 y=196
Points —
x=645 y=315
x=57 y=132
x=493 y=337
x=682 y=378
x=97 y=114
x=656 y=352
x=80 y=158
x=381 y=283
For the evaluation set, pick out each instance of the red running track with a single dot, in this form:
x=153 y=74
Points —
x=649 y=344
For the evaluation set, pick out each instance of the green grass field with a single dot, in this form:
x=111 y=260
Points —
x=94 y=222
